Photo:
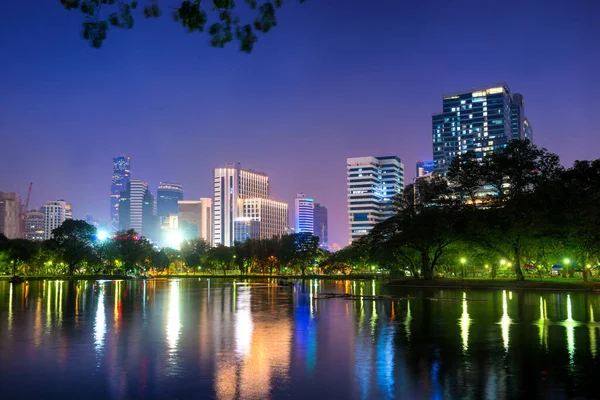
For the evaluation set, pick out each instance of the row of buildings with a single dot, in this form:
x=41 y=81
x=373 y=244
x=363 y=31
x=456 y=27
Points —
x=241 y=208
x=480 y=120
x=37 y=224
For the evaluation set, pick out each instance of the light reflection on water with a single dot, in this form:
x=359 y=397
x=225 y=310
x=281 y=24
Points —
x=227 y=339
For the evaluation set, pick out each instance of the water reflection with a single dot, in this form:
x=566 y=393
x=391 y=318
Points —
x=173 y=339
x=505 y=321
x=464 y=322
x=173 y=327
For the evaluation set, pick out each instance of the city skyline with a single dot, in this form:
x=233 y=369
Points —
x=324 y=100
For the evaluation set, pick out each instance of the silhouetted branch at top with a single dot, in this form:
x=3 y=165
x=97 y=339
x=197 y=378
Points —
x=220 y=17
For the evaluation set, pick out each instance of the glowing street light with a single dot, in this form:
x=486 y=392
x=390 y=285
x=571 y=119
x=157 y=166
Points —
x=502 y=262
x=102 y=235
x=463 y=260
x=174 y=239
x=567 y=261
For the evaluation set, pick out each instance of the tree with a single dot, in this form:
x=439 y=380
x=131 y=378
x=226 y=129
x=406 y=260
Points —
x=75 y=238
x=17 y=251
x=222 y=256
x=194 y=251
x=193 y=15
x=130 y=250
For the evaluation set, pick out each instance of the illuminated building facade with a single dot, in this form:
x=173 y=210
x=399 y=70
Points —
x=246 y=228
x=481 y=120
x=54 y=216
x=231 y=186
x=305 y=214
x=120 y=177
x=372 y=182
x=10 y=215
x=135 y=203
x=34 y=225
x=167 y=197
x=272 y=215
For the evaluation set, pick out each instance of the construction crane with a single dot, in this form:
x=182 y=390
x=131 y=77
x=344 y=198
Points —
x=24 y=209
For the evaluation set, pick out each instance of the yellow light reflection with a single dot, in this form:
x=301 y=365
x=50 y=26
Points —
x=407 y=320
x=373 y=319
x=592 y=328
x=542 y=324
x=37 y=333
x=173 y=328
x=243 y=323
x=464 y=323
x=10 y=309
x=116 y=310
x=505 y=321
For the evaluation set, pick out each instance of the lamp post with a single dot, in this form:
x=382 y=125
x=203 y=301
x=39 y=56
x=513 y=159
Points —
x=567 y=262
x=463 y=261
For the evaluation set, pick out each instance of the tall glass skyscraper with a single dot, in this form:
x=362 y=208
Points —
x=131 y=207
x=320 y=225
x=481 y=120
x=304 y=215
x=168 y=194
x=120 y=177
x=372 y=182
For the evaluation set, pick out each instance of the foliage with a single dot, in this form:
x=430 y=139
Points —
x=221 y=18
x=75 y=240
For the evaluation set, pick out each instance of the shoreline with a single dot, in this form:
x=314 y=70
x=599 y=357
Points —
x=477 y=284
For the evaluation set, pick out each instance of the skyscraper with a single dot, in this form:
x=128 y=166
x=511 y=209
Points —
x=231 y=185
x=34 y=225
x=120 y=177
x=481 y=120
x=195 y=219
x=131 y=206
x=372 y=182
x=320 y=225
x=150 y=222
x=424 y=168
x=10 y=215
x=167 y=196
x=54 y=216
x=304 y=215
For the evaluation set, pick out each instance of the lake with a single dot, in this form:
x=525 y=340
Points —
x=225 y=338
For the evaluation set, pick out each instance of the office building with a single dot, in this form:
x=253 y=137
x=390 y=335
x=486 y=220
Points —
x=320 y=225
x=246 y=228
x=68 y=211
x=304 y=215
x=424 y=168
x=231 y=185
x=272 y=215
x=120 y=177
x=54 y=216
x=10 y=215
x=372 y=182
x=131 y=206
x=195 y=219
x=167 y=197
x=34 y=225
x=150 y=222
x=481 y=120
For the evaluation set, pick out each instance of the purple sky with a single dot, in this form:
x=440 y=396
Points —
x=335 y=79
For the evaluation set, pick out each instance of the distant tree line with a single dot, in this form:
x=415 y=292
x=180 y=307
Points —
x=76 y=250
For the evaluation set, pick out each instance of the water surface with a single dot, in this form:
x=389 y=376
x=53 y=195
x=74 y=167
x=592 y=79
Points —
x=225 y=339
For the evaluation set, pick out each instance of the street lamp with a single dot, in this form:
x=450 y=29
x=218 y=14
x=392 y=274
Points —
x=463 y=261
x=567 y=262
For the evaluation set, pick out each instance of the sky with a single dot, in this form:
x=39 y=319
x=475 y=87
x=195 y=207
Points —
x=334 y=79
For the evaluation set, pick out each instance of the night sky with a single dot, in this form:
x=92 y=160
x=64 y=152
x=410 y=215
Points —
x=335 y=79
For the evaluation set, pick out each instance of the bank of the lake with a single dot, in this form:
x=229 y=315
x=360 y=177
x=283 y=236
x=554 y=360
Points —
x=552 y=284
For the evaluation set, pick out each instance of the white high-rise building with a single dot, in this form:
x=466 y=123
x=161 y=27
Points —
x=372 y=182
x=305 y=214
x=232 y=184
x=136 y=204
x=54 y=215
x=272 y=216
